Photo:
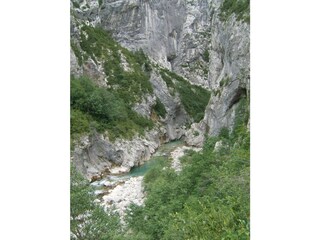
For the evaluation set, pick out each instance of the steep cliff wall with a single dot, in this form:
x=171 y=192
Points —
x=229 y=73
x=175 y=34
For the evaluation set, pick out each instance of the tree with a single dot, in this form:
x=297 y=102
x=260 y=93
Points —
x=88 y=220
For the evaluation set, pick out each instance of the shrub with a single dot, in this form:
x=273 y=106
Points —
x=194 y=98
x=241 y=8
x=206 y=55
x=160 y=109
x=103 y=109
x=88 y=220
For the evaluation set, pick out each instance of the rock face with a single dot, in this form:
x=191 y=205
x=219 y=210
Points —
x=173 y=33
x=145 y=106
x=96 y=154
x=123 y=195
x=75 y=69
x=229 y=75
x=176 y=117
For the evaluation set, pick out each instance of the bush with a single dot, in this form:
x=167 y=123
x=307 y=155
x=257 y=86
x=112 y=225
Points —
x=80 y=122
x=206 y=55
x=89 y=221
x=103 y=109
x=241 y=8
x=193 y=98
x=160 y=109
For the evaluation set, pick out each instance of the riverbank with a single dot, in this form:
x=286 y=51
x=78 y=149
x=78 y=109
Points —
x=119 y=191
x=131 y=191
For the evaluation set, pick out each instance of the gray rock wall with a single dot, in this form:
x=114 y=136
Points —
x=229 y=75
x=96 y=154
x=173 y=33
x=176 y=117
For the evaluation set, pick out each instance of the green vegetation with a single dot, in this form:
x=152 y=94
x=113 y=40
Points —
x=160 y=109
x=200 y=65
x=77 y=52
x=80 y=123
x=206 y=55
x=166 y=78
x=109 y=108
x=225 y=81
x=75 y=4
x=88 y=220
x=132 y=84
x=209 y=199
x=217 y=92
x=193 y=98
x=103 y=109
x=171 y=57
x=241 y=8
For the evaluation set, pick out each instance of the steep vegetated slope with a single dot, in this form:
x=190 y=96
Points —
x=147 y=72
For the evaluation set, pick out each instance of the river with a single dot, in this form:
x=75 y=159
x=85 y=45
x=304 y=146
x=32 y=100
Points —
x=120 y=190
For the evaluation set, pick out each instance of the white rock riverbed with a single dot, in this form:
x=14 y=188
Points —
x=131 y=191
x=124 y=190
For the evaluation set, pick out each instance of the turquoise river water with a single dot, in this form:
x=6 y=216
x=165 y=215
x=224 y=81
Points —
x=162 y=152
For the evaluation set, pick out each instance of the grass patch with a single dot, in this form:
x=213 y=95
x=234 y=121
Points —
x=193 y=98
x=241 y=8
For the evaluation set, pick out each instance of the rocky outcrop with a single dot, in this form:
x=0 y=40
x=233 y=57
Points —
x=144 y=107
x=195 y=136
x=96 y=154
x=120 y=197
x=176 y=117
x=229 y=75
x=75 y=69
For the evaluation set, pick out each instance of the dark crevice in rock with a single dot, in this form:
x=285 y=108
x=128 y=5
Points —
x=239 y=93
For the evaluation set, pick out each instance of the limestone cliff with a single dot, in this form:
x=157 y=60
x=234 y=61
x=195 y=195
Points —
x=175 y=34
x=229 y=74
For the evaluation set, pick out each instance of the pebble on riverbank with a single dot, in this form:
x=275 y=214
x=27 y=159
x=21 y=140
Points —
x=123 y=195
